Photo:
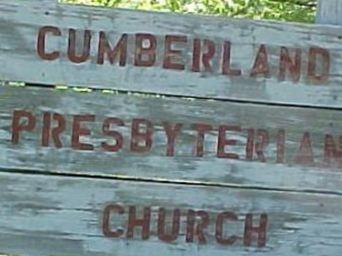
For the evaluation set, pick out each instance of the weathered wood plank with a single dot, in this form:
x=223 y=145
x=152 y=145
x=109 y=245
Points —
x=329 y=12
x=293 y=142
x=313 y=78
x=42 y=215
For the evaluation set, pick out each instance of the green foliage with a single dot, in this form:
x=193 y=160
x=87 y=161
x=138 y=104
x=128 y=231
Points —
x=285 y=10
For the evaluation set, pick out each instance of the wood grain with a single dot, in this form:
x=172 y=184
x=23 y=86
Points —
x=21 y=21
x=184 y=165
x=42 y=215
x=329 y=12
x=271 y=145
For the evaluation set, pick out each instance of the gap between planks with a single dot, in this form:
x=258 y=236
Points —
x=56 y=173
x=168 y=95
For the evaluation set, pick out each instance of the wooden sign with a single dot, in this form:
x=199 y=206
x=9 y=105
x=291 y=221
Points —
x=45 y=215
x=142 y=133
x=131 y=135
x=217 y=58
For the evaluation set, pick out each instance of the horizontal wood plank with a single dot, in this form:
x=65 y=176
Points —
x=95 y=173
x=171 y=54
x=329 y=12
x=295 y=161
x=42 y=215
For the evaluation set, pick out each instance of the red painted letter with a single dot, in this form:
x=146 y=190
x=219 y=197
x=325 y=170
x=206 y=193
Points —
x=281 y=146
x=191 y=230
x=107 y=231
x=144 y=223
x=139 y=136
x=18 y=126
x=260 y=231
x=286 y=63
x=205 y=57
x=324 y=67
x=261 y=144
x=145 y=50
x=222 y=141
x=226 y=69
x=201 y=130
x=261 y=66
x=116 y=135
x=72 y=46
x=219 y=228
x=175 y=226
x=305 y=154
x=119 y=49
x=78 y=131
x=173 y=58
x=55 y=132
x=42 y=40
x=171 y=133
x=332 y=152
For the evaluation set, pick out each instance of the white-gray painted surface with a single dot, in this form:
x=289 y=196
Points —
x=185 y=165
x=285 y=135
x=329 y=12
x=43 y=216
x=22 y=20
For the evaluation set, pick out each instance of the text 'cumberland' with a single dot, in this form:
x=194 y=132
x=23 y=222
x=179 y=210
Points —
x=225 y=57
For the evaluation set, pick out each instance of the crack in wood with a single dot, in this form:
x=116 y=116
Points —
x=97 y=176
x=159 y=95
